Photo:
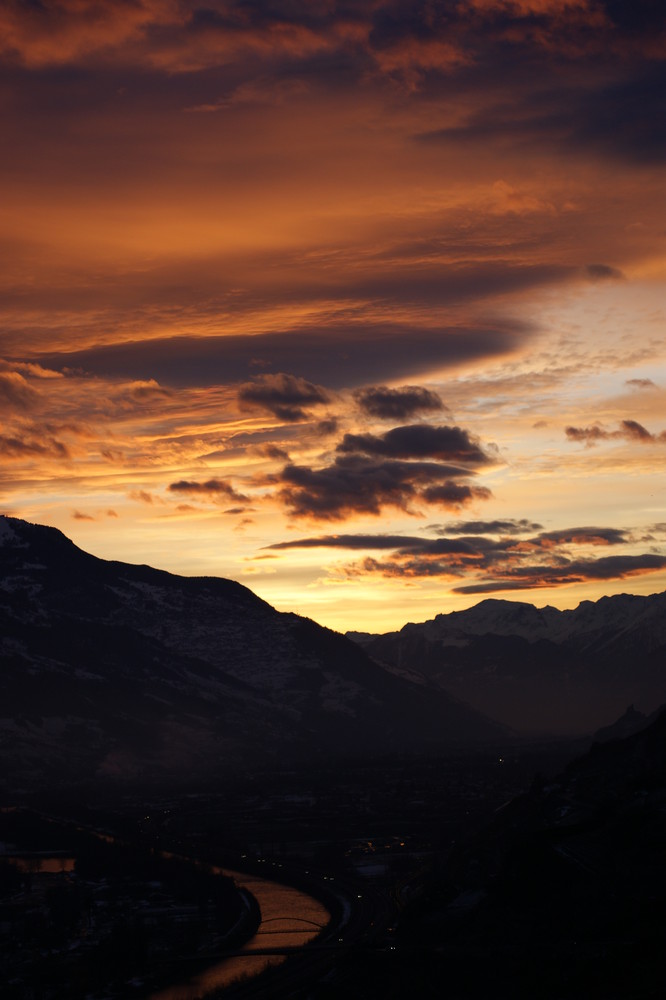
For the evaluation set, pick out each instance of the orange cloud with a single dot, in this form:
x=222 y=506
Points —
x=16 y=392
x=57 y=32
x=79 y=516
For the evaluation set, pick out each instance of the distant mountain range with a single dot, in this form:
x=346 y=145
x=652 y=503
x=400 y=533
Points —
x=538 y=669
x=120 y=674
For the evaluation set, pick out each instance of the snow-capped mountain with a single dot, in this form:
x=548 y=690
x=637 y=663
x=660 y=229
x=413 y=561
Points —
x=111 y=671
x=539 y=668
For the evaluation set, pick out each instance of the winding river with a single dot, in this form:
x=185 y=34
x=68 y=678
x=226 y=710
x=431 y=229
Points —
x=289 y=918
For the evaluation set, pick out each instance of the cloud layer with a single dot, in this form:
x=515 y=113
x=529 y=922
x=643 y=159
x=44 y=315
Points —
x=390 y=267
x=513 y=560
x=629 y=430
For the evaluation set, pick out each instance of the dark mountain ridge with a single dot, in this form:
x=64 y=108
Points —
x=112 y=672
x=539 y=669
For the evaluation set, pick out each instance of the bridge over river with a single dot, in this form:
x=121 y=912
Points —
x=289 y=920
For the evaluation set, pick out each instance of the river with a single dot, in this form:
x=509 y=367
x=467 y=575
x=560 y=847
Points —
x=289 y=918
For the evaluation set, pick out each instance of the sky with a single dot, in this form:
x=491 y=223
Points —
x=358 y=303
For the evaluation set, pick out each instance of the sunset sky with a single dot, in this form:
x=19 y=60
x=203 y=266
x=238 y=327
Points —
x=358 y=303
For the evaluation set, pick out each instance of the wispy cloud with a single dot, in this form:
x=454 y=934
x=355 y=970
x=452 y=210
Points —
x=211 y=488
x=629 y=430
x=16 y=392
x=513 y=559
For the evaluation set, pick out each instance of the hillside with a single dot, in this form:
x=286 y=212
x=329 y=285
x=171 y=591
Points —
x=118 y=673
x=562 y=896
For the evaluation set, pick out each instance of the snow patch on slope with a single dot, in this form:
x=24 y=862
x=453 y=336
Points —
x=7 y=534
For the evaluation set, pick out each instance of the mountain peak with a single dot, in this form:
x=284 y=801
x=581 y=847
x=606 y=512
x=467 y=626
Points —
x=17 y=533
x=8 y=534
x=566 y=672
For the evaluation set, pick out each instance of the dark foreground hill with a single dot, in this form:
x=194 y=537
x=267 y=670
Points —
x=561 y=896
x=539 y=669
x=115 y=673
x=571 y=879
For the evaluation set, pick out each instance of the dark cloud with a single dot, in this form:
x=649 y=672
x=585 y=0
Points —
x=411 y=568
x=439 y=557
x=285 y=396
x=397 y=404
x=617 y=118
x=624 y=119
x=603 y=272
x=173 y=294
x=641 y=383
x=643 y=18
x=618 y=567
x=492 y=587
x=356 y=484
x=170 y=38
x=636 y=432
x=182 y=38
x=442 y=283
x=78 y=516
x=348 y=542
x=588 y=434
x=508 y=527
x=449 y=444
x=369 y=473
x=328 y=426
x=629 y=430
x=516 y=560
x=607 y=568
x=455 y=495
x=272 y=451
x=211 y=488
x=340 y=356
x=484 y=551
x=25 y=447
x=403 y=545
x=584 y=536
x=512 y=574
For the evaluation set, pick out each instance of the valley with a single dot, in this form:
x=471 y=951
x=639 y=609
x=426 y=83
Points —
x=184 y=719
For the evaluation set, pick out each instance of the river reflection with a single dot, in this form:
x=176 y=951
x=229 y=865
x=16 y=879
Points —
x=289 y=918
x=39 y=865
